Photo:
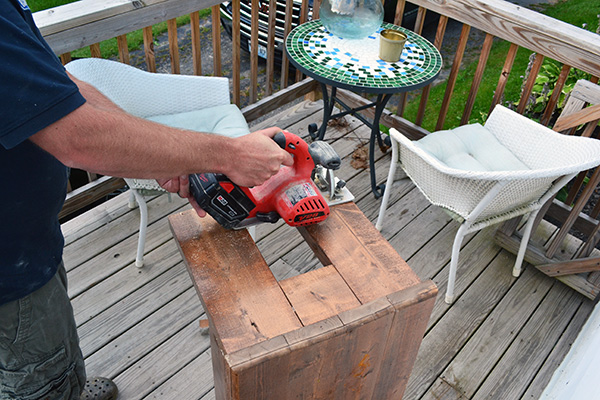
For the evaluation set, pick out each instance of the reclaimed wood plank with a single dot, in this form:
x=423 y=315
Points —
x=228 y=272
x=332 y=348
x=302 y=257
x=404 y=340
x=360 y=245
x=318 y=294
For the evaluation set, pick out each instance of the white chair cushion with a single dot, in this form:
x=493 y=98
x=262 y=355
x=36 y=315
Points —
x=225 y=119
x=471 y=148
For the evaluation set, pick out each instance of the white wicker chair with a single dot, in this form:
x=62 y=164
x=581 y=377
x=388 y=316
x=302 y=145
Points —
x=192 y=102
x=479 y=198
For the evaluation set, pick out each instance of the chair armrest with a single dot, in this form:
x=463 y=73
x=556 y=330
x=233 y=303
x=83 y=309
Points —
x=146 y=94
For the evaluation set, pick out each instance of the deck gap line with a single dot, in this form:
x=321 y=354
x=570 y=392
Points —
x=130 y=293
x=160 y=382
x=134 y=234
x=112 y=219
x=425 y=243
x=116 y=271
x=149 y=350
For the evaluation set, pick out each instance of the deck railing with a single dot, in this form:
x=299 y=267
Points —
x=87 y=22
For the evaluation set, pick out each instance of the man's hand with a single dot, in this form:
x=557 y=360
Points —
x=257 y=158
x=181 y=186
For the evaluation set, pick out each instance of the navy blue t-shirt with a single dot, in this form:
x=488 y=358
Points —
x=34 y=93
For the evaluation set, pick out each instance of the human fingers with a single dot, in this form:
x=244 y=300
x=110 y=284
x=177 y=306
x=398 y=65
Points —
x=170 y=185
x=201 y=213
x=287 y=159
x=270 y=132
x=281 y=157
x=184 y=186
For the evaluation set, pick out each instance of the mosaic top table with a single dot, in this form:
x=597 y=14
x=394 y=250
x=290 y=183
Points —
x=355 y=65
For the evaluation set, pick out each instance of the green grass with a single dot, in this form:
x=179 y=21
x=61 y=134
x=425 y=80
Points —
x=37 y=5
x=109 y=48
x=575 y=12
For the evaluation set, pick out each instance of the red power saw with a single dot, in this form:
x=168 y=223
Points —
x=290 y=194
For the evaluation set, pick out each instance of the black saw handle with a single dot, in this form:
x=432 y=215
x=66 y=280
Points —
x=323 y=154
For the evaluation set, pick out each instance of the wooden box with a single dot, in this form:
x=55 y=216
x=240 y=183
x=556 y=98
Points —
x=348 y=330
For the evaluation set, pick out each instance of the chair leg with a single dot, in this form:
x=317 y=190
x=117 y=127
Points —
x=449 y=299
x=132 y=203
x=388 y=186
x=139 y=259
x=524 y=241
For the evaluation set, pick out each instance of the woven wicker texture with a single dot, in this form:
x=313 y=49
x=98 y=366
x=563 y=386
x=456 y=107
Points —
x=549 y=154
x=144 y=94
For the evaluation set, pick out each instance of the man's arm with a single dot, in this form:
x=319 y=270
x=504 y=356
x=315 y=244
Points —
x=100 y=137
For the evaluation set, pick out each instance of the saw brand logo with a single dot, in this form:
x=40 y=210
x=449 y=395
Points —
x=305 y=217
x=203 y=177
x=222 y=200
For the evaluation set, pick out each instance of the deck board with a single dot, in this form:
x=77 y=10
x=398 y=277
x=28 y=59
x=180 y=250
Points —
x=502 y=338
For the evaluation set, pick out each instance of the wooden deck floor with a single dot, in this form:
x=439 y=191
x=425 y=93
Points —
x=502 y=338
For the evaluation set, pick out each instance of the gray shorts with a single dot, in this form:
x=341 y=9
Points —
x=40 y=356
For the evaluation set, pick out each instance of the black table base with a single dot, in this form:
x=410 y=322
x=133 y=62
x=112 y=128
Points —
x=329 y=102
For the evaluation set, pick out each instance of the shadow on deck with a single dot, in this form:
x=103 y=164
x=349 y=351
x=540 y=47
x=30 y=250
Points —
x=502 y=339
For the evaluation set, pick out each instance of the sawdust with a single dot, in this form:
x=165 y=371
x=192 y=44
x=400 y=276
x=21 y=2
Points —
x=360 y=157
x=340 y=122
